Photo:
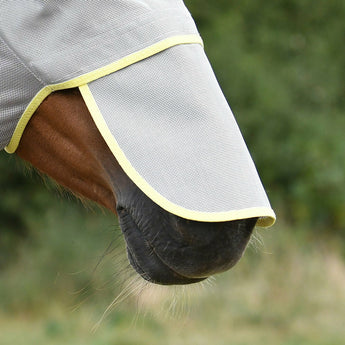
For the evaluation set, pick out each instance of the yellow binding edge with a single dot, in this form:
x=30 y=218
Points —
x=93 y=75
x=266 y=215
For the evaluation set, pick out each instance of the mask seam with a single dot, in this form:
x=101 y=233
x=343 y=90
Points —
x=13 y=53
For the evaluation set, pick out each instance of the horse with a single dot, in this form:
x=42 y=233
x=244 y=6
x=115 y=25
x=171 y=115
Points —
x=118 y=103
x=162 y=247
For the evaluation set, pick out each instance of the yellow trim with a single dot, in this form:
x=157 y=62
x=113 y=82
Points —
x=98 y=73
x=266 y=215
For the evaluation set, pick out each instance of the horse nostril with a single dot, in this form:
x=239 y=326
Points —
x=121 y=211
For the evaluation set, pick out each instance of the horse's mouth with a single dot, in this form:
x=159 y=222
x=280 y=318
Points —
x=145 y=260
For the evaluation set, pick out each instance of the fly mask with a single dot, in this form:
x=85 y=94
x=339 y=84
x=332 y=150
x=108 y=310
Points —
x=143 y=74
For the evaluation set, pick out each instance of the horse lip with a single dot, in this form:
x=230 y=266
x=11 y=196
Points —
x=157 y=271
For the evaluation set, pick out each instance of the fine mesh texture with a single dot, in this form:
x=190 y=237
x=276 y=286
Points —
x=14 y=96
x=60 y=40
x=48 y=42
x=175 y=127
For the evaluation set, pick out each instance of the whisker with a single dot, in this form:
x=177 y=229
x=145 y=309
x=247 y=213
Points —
x=132 y=288
x=256 y=241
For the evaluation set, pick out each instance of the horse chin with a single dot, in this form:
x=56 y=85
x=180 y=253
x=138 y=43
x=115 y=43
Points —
x=144 y=259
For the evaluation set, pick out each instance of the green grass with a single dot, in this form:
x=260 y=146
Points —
x=288 y=291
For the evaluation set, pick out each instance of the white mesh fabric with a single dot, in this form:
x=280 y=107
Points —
x=49 y=42
x=14 y=95
x=171 y=120
x=60 y=40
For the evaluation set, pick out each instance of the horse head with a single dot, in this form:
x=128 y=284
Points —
x=62 y=141
x=161 y=148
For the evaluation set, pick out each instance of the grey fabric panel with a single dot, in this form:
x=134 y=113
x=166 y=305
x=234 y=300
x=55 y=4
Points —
x=61 y=40
x=47 y=42
x=175 y=127
x=17 y=87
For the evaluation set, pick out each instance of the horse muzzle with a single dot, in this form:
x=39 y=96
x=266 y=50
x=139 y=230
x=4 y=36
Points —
x=167 y=249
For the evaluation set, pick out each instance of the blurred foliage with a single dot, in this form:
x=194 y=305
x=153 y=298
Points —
x=282 y=68
x=71 y=254
x=22 y=197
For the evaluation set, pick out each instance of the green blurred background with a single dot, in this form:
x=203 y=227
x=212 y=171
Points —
x=281 y=65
